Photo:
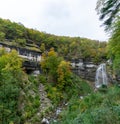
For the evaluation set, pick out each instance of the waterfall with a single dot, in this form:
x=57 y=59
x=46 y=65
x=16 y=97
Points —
x=101 y=76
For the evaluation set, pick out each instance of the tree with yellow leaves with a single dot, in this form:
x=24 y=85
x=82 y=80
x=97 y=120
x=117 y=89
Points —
x=64 y=74
x=49 y=64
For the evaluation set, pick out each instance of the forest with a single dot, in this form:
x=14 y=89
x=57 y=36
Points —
x=68 y=47
x=29 y=99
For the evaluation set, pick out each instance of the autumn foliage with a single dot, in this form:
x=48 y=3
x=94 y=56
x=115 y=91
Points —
x=56 y=69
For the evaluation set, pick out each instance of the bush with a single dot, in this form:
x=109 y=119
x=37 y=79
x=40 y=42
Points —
x=95 y=108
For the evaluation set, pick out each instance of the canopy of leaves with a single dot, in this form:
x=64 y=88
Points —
x=49 y=64
x=108 y=10
x=68 y=47
x=64 y=74
x=114 y=47
x=10 y=81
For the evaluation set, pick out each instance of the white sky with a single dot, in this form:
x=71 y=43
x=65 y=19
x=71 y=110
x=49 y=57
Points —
x=59 y=17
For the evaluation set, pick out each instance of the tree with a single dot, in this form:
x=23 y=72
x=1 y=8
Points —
x=10 y=80
x=108 y=10
x=21 y=42
x=11 y=62
x=42 y=47
x=2 y=36
x=56 y=69
x=49 y=64
x=114 y=48
x=64 y=74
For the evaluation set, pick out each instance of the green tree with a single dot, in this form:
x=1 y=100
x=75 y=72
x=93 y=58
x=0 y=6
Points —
x=10 y=81
x=108 y=10
x=2 y=36
x=49 y=64
x=21 y=42
x=114 y=48
x=11 y=62
x=42 y=47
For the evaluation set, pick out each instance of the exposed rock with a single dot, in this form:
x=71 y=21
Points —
x=81 y=97
x=45 y=121
x=85 y=69
x=45 y=102
x=58 y=111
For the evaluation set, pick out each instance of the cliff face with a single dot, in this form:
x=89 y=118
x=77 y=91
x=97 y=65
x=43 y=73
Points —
x=85 y=69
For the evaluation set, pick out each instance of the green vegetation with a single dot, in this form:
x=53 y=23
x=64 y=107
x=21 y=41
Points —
x=109 y=11
x=58 y=79
x=29 y=101
x=114 y=48
x=20 y=100
x=94 y=108
x=84 y=105
x=19 y=95
x=10 y=81
x=16 y=34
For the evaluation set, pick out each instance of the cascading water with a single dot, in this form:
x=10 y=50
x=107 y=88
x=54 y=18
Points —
x=101 y=76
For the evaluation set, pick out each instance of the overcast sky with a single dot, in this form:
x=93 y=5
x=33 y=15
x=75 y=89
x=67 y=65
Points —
x=59 y=17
